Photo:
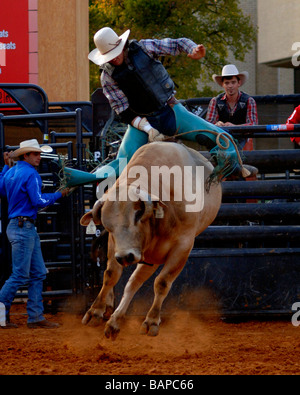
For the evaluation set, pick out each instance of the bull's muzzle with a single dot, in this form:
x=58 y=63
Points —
x=128 y=258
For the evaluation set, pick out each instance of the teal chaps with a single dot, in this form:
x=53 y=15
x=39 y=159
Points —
x=188 y=126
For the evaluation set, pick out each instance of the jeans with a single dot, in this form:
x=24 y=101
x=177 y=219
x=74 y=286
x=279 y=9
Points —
x=28 y=268
x=164 y=120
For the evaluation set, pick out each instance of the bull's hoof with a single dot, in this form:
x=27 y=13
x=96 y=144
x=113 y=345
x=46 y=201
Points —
x=111 y=332
x=144 y=328
x=153 y=330
x=86 y=319
x=94 y=314
x=150 y=330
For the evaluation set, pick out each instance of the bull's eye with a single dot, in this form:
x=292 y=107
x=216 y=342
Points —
x=140 y=212
x=138 y=215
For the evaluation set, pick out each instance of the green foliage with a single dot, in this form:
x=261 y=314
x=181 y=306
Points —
x=217 y=24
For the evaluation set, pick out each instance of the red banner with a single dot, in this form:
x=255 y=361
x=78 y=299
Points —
x=14 y=43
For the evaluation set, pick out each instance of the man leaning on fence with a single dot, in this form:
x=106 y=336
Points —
x=233 y=107
x=21 y=185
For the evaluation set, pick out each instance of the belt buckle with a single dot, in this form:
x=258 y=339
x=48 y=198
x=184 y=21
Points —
x=22 y=219
x=20 y=222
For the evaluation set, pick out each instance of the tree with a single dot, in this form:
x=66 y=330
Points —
x=218 y=24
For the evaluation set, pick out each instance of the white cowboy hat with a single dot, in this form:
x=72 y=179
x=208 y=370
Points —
x=108 y=44
x=30 y=146
x=230 y=70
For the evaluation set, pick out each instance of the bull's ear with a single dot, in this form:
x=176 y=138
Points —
x=97 y=212
x=86 y=218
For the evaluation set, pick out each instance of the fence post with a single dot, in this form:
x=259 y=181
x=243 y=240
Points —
x=79 y=144
x=79 y=152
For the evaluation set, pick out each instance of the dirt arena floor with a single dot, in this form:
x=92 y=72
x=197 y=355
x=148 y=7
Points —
x=186 y=345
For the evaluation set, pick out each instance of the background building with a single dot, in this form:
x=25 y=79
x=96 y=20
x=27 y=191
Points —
x=46 y=43
x=277 y=44
x=270 y=63
x=53 y=36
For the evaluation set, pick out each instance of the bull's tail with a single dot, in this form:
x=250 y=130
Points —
x=224 y=168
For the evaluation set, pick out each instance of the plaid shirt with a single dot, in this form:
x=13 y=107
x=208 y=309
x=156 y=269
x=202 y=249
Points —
x=154 y=48
x=212 y=115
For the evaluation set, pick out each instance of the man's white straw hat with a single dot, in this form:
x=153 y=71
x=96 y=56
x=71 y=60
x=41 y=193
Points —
x=30 y=146
x=109 y=45
x=230 y=70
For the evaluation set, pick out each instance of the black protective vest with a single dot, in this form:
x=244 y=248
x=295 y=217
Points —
x=240 y=114
x=145 y=81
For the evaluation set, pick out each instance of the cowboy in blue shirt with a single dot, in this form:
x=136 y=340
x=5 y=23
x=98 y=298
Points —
x=21 y=185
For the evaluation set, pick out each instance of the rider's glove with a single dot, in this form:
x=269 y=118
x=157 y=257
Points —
x=144 y=125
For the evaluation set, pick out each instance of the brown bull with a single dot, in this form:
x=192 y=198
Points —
x=145 y=228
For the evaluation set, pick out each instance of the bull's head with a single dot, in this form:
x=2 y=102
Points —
x=129 y=224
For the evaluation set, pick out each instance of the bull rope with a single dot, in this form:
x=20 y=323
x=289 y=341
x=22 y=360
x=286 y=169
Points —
x=219 y=135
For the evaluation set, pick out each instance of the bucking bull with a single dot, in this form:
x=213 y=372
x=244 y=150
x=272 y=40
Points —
x=155 y=225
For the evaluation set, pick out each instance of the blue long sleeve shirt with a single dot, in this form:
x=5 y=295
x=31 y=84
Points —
x=22 y=186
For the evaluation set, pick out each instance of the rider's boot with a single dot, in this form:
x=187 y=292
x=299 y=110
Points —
x=132 y=141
